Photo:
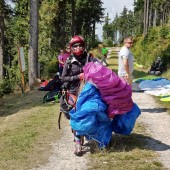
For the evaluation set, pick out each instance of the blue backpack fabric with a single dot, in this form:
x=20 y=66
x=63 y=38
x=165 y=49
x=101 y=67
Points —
x=124 y=123
x=89 y=117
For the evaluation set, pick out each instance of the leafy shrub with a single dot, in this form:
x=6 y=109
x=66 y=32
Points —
x=164 y=31
x=152 y=35
x=109 y=42
x=153 y=45
x=14 y=75
x=6 y=87
x=166 y=56
x=52 y=67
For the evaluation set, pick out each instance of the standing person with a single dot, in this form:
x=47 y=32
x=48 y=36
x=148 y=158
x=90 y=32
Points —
x=72 y=76
x=125 y=61
x=66 y=53
x=104 y=55
x=60 y=62
x=63 y=57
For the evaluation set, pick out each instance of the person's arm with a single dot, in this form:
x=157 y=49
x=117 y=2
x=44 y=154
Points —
x=126 y=66
x=60 y=60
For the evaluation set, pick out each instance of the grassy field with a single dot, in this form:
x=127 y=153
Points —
x=28 y=128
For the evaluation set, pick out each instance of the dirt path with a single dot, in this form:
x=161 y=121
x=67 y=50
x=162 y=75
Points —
x=63 y=157
x=157 y=124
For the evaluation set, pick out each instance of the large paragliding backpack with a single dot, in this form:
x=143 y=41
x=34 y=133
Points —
x=54 y=88
x=52 y=96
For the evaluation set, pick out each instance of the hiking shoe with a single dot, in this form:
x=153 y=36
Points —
x=78 y=150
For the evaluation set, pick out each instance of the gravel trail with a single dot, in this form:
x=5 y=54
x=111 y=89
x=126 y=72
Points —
x=157 y=123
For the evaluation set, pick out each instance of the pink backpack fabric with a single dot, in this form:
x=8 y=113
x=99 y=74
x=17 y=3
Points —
x=114 y=91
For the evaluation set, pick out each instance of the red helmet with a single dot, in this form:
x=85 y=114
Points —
x=79 y=41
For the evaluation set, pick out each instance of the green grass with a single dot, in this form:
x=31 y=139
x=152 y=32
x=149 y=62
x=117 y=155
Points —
x=26 y=131
x=126 y=152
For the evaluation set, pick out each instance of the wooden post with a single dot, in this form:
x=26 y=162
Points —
x=22 y=67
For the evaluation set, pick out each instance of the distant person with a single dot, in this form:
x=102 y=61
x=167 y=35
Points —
x=104 y=55
x=157 y=68
x=60 y=61
x=125 y=61
x=67 y=52
x=63 y=57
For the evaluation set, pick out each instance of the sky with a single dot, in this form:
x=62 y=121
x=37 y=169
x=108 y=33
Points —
x=112 y=7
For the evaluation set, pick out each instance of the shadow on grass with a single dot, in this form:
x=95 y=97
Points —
x=114 y=70
x=154 y=110
x=113 y=64
x=126 y=143
x=11 y=104
x=139 y=74
x=113 y=56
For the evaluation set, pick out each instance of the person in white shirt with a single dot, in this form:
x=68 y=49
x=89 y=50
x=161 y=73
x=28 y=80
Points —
x=125 y=61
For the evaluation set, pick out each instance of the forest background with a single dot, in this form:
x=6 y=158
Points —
x=43 y=27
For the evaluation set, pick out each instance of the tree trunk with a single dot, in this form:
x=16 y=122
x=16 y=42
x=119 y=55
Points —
x=33 y=46
x=147 y=17
x=150 y=10
x=73 y=3
x=155 y=17
x=1 y=39
x=161 y=18
x=144 y=18
x=93 y=35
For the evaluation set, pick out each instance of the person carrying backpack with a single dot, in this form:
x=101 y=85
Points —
x=72 y=77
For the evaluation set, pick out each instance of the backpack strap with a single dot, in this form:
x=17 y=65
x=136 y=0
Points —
x=68 y=61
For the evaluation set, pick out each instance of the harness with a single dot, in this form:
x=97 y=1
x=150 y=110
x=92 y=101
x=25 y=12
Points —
x=68 y=98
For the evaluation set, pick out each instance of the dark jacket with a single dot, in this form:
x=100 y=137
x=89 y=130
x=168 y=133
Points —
x=72 y=69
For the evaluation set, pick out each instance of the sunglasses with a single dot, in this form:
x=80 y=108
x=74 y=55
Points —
x=78 y=45
x=68 y=48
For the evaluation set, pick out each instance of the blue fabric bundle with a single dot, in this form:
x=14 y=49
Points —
x=89 y=117
x=124 y=123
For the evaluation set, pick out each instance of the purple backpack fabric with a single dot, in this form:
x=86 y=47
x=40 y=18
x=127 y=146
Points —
x=114 y=91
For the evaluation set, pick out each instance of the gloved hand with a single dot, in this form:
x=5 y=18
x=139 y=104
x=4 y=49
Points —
x=81 y=76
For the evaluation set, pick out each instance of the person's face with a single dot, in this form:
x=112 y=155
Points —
x=129 y=43
x=68 y=49
x=77 y=48
x=61 y=51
